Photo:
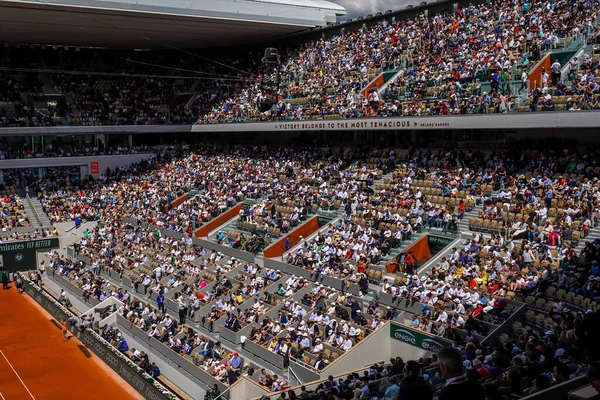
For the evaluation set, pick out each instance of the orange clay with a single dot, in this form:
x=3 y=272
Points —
x=50 y=368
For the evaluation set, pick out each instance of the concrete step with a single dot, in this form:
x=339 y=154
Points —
x=31 y=213
x=403 y=246
x=43 y=217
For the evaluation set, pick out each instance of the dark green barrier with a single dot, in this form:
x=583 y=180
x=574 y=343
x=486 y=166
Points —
x=144 y=384
x=21 y=256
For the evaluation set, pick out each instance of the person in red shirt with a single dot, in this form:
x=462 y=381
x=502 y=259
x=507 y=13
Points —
x=478 y=311
x=462 y=208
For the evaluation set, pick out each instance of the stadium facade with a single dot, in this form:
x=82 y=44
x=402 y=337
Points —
x=155 y=24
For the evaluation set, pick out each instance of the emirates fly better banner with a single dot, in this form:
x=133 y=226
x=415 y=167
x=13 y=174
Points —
x=419 y=339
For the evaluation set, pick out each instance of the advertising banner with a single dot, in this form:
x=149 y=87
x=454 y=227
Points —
x=438 y=240
x=418 y=339
x=21 y=256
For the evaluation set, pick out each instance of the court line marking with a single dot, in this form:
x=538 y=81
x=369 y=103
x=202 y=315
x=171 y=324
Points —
x=21 y=380
x=2 y=396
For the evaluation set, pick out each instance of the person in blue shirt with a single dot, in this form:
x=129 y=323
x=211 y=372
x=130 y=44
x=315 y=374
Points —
x=160 y=300
x=391 y=391
x=425 y=310
x=548 y=197
x=236 y=363
x=415 y=321
x=155 y=371
x=123 y=346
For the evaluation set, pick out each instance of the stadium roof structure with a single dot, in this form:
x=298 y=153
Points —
x=152 y=24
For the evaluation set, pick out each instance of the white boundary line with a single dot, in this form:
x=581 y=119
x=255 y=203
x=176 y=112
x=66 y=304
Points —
x=2 y=396
x=21 y=380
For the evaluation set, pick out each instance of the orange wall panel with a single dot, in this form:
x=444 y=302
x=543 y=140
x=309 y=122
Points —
x=535 y=75
x=205 y=229
x=421 y=250
x=306 y=229
x=179 y=200
x=376 y=82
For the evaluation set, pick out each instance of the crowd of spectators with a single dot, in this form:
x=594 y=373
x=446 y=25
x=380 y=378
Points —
x=447 y=56
x=13 y=212
x=429 y=191
x=471 y=288
x=445 y=59
x=140 y=358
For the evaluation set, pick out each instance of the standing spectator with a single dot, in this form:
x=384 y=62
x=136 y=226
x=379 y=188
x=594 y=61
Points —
x=413 y=386
x=544 y=78
x=236 y=363
x=555 y=72
x=457 y=385
x=589 y=331
x=524 y=82
x=4 y=279
x=155 y=372
x=160 y=300
x=182 y=306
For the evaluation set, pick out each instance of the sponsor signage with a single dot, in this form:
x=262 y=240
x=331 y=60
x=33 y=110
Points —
x=132 y=377
x=94 y=168
x=50 y=307
x=437 y=240
x=418 y=339
x=21 y=256
x=554 y=120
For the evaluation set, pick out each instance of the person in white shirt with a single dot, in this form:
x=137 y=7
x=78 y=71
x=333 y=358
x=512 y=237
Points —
x=458 y=307
x=442 y=317
x=347 y=343
x=528 y=255
x=318 y=347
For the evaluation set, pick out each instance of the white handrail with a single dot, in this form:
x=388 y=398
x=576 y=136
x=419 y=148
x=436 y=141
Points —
x=224 y=391
x=295 y=376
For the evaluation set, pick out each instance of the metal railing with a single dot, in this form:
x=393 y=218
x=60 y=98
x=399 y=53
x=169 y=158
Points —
x=295 y=376
x=221 y=395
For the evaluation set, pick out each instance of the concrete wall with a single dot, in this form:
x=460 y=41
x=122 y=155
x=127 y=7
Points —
x=559 y=392
x=406 y=351
x=246 y=389
x=373 y=349
x=84 y=162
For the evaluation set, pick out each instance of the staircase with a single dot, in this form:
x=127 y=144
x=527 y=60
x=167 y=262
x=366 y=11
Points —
x=48 y=87
x=34 y=210
x=592 y=235
x=35 y=223
x=463 y=224
x=394 y=252
x=38 y=212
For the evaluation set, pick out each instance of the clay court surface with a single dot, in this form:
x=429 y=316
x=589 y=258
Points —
x=36 y=364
